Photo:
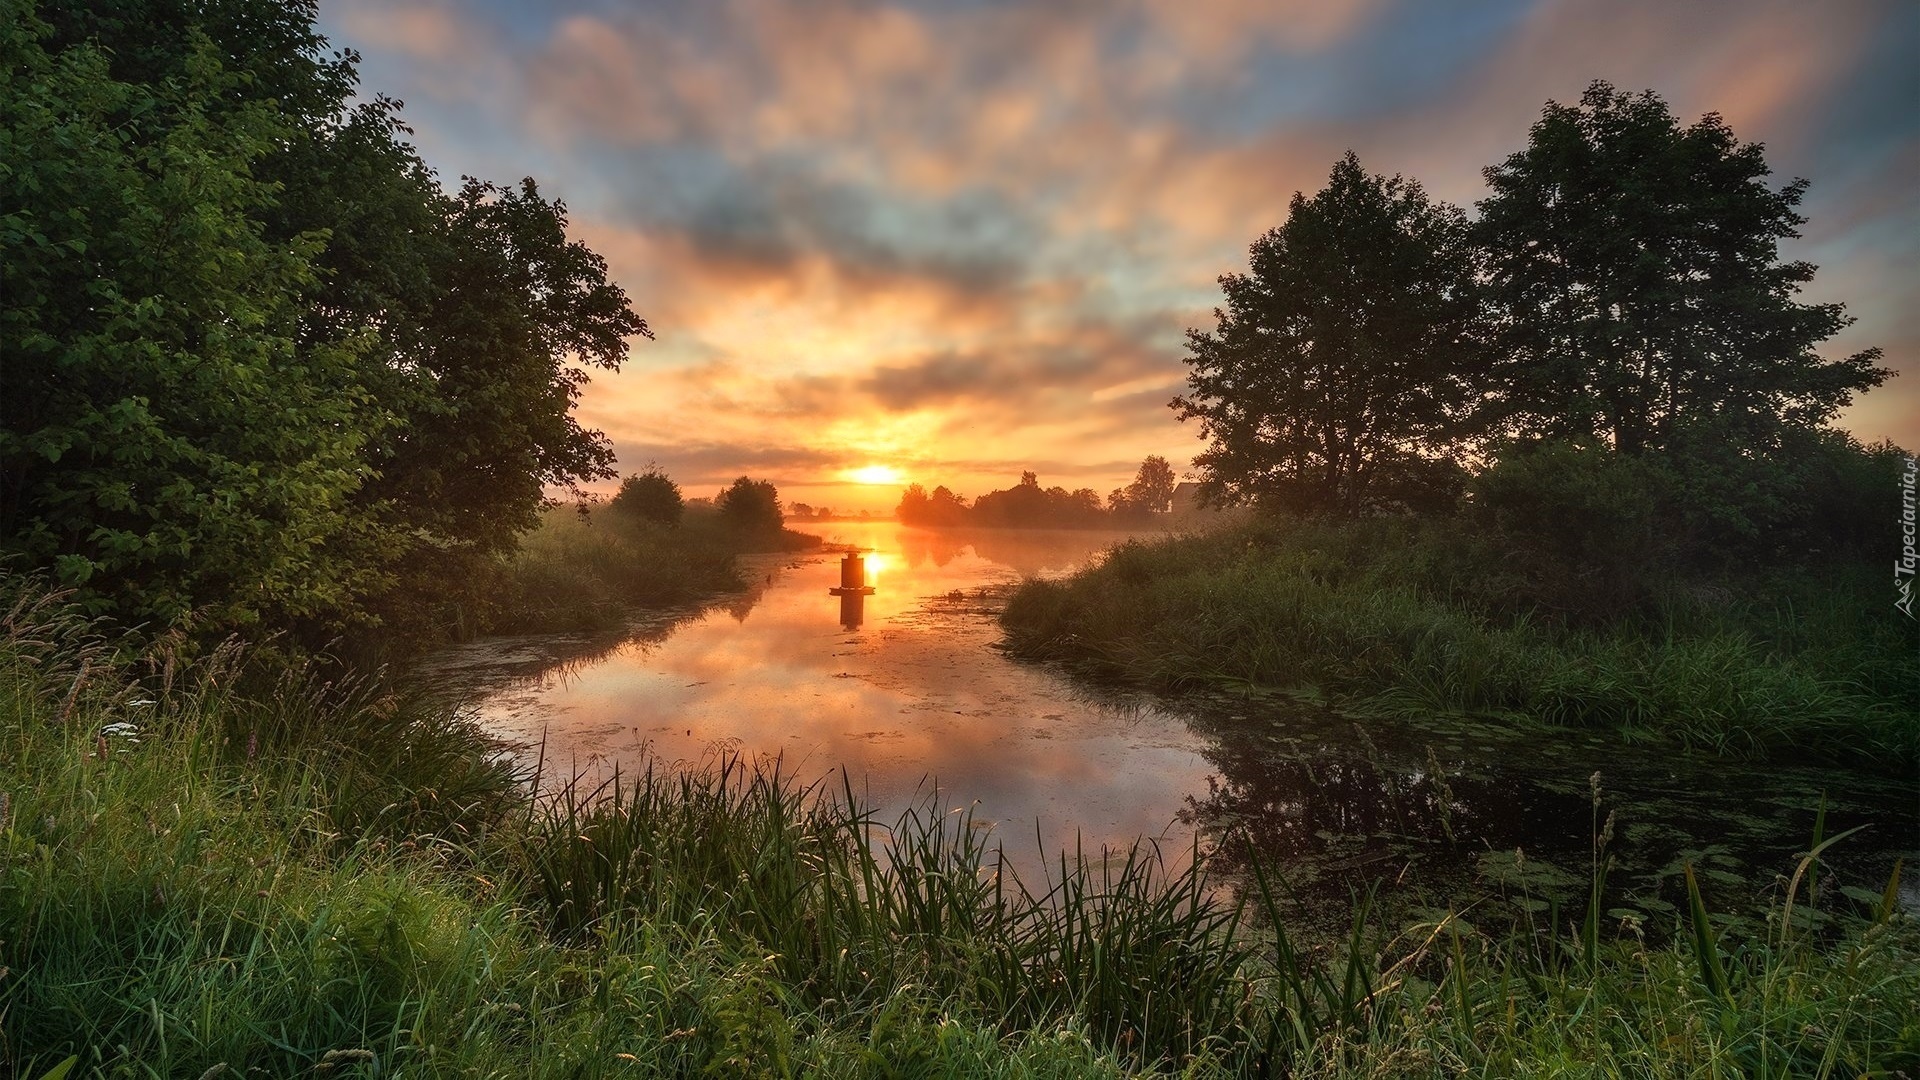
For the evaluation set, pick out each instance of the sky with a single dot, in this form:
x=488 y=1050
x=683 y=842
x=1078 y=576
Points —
x=951 y=241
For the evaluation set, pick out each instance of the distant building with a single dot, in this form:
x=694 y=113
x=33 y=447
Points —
x=1186 y=498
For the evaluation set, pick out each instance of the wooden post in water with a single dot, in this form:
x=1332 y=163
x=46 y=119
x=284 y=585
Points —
x=853 y=576
x=853 y=590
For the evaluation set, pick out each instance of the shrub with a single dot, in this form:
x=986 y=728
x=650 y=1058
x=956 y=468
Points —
x=751 y=506
x=649 y=496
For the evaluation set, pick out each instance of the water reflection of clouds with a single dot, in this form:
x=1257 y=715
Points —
x=917 y=696
x=913 y=698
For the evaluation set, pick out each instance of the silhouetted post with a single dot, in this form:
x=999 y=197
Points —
x=853 y=576
x=853 y=590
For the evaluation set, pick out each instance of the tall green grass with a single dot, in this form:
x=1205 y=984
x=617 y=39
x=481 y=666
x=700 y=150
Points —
x=1403 y=618
x=587 y=570
x=263 y=873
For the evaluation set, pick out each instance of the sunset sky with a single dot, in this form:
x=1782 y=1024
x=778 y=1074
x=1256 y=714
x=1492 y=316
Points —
x=959 y=240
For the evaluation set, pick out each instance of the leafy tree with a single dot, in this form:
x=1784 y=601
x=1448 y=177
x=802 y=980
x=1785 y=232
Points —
x=913 y=505
x=940 y=507
x=1028 y=505
x=494 y=367
x=167 y=441
x=1152 y=487
x=1634 y=266
x=249 y=291
x=649 y=496
x=1342 y=365
x=750 y=506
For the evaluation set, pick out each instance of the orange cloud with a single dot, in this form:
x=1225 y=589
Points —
x=913 y=234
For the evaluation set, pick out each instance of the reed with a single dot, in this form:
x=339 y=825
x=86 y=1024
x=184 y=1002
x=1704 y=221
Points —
x=1411 y=618
x=207 y=868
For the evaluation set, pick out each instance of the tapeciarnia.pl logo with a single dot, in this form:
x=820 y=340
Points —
x=1903 y=567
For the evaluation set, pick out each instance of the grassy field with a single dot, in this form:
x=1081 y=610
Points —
x=1406 y=618
x=207 y=869
x=586 y=570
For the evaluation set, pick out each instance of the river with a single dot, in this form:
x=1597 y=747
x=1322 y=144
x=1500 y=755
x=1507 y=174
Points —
x=912 y=697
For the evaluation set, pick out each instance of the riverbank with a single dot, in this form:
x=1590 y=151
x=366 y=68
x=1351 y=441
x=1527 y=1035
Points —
x=1392 y=617
x=585 y=569
x=209 y=864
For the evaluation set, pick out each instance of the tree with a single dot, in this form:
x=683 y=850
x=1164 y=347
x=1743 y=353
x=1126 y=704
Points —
x=1634 y=268
x=309 y=383
x=751 y=506
x=1342 y=364
x=1152 y=487
x=913 y=505
x=649 y=496
x=168 y=443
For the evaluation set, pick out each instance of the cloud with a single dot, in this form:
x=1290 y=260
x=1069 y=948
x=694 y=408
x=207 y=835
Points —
x=973 y=232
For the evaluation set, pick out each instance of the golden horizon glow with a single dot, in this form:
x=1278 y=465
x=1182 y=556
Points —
x=875 y=563
x=875 y=474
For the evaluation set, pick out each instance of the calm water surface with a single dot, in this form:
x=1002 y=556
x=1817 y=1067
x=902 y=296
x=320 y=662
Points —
x=910 y=690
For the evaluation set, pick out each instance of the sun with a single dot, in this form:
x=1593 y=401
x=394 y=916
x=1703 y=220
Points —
x=874 y=474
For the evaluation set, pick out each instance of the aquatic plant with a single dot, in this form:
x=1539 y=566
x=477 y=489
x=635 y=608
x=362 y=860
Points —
x=292 y=876
x=1409 y=618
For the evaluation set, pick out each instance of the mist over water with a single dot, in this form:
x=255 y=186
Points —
x=915 y=695
x=915 y=701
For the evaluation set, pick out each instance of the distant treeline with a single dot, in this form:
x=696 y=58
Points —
x=1030 y=506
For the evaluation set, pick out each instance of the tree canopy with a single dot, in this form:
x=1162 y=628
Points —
x=1634 y=273
x=1339 y=368
x=1622 y=288
x=1028 y=505
x=261 y=365
x=1152 y=487
x=750 y=506
x=649 y=495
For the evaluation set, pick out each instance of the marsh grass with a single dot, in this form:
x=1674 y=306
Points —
x=207 y=868
x=1414 y=619
x=588 y=569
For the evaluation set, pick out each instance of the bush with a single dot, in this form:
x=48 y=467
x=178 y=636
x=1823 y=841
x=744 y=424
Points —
x=751 y=506
x=1594 y=529
x=649 y=496
x=1601 y=531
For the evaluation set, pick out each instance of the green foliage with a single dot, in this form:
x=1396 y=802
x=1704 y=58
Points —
x=1635 y=275
x=167 y=442
x=1600 y=532
x=263 y=874
x=261 y=368
x=587 y=571
x=1152 y=487
x=649 y=496
x=1407 y=618
x=1596 y=530
x=1342 y=364
x=750 y=506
